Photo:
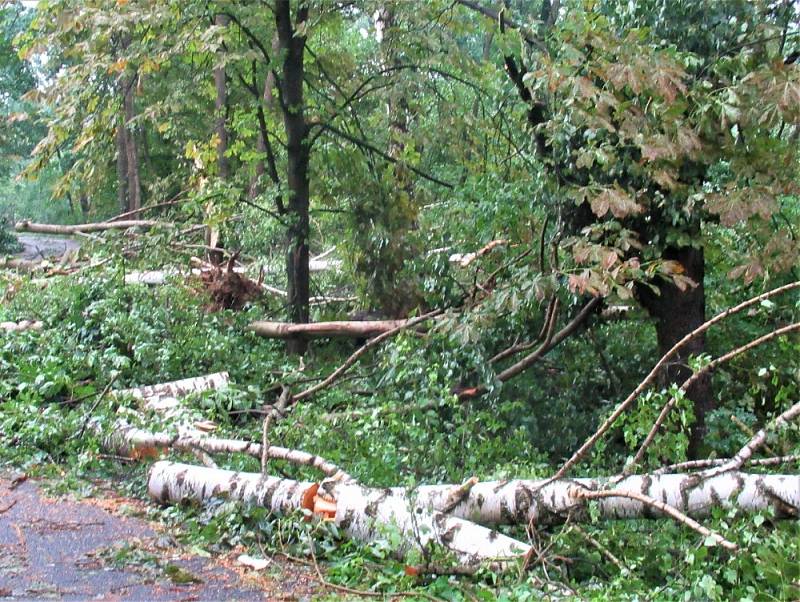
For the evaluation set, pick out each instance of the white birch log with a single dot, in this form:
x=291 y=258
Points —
x=166 y=396
x=151 y=277
x=27 y=226
x=21 y=326
x=362 y=513
x=354 y=328
x=526 y=502
x=126 y=440
x=493 y=503
x=174 y=482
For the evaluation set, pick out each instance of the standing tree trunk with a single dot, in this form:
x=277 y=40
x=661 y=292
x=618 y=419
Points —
x=132 y=153
x=213 y=238
x=292 y=41
x=122 y=166
x=677 y=313
x=221 y=109
x=129 y=191
x=396 y=213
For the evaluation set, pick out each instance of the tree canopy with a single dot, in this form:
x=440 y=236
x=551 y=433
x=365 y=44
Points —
x=515 y=209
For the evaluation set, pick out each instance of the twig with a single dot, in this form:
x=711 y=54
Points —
x=749 y=432
x=620 y=409
x=359 y=592
x=8 y=507
x=205 y=458
x=516 y=348
x=600 y=547
x=535 y=356
x=671 y=511
x=711 y=366
x=695 y=464
x=265 y=442
x=333 y=376
x=744 y=454
x=88 y=416
x=176 y=200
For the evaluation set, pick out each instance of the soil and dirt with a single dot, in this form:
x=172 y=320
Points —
x=66 y=549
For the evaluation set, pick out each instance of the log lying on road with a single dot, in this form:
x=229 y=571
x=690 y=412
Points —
x=354 y=329
x=27 y=226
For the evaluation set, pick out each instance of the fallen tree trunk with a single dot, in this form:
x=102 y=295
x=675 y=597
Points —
x=27 y=226
x=166 y=396
x=445 y=513
x=354 y=329
x=493 y=503
x=539 y=502
x=362 y=513
x=150 y=277
x=21 y=326
x=23 y=265
x=131 y=441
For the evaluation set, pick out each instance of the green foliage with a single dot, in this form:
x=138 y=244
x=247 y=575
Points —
x=8 y=242
x=667 y=124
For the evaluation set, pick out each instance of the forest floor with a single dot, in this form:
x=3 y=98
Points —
x=39 y=246
x=96 y=548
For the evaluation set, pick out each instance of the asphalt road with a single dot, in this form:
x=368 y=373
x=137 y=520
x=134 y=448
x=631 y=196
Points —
x=38 y=246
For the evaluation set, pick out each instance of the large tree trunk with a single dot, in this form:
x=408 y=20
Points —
x=292 y=46
x=263 y=145
x=221 y=109
x=122 y=165
x=213 y=236
x=131 y=151
x=677 y=313
x=443 y=513
x=396 y=213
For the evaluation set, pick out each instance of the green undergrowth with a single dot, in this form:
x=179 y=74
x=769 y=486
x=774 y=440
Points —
x=392 y=421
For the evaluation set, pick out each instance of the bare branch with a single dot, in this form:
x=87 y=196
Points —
x=620 y=409
x=693 y=378
x=679 y=516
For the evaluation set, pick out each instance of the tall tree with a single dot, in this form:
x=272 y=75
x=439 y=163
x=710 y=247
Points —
x=652 y=123
x=292 y=44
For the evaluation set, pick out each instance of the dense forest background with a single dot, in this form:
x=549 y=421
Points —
x=564 y=190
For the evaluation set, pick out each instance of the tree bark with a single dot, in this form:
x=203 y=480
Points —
x=221 y=109
x=354 y=329
x=27 y=226
x=122 y=165
x=134 y=188
x=677 y=313
x=213 y=236
x=362 y=513
x=292 y=41
x=442 y=513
